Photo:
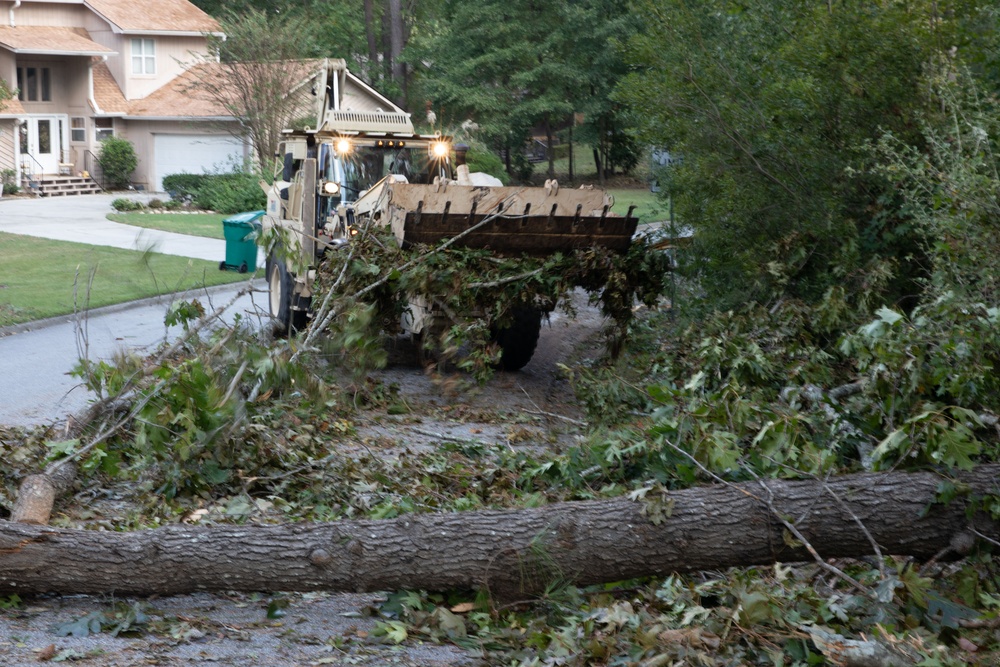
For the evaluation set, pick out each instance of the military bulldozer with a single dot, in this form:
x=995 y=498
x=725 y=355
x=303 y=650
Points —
x=360 y=168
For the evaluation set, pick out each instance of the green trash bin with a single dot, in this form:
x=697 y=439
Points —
x=241 y=232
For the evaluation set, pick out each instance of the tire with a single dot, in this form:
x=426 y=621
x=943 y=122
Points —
x=518 y=341
x=243 y=267
x=222 y=265
x=280 y=285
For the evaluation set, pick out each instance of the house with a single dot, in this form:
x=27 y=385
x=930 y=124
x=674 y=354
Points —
x=88 y=69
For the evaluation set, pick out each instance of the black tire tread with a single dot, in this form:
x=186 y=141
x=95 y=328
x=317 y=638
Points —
x=518 y=341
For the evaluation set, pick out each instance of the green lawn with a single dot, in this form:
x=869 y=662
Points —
x=648 y=207
x=37 y=276
x=195 y=224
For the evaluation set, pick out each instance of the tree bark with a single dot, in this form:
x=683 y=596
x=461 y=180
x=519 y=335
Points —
x=397 y=68
x=369 y=9
x=510 y=553
x=550 y=149
x=37 y=494
x=572 y=122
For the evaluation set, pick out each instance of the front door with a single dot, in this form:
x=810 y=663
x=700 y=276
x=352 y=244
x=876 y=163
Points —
x=43 y=141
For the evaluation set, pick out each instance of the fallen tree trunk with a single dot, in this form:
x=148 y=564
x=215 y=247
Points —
x=512 y=553
x=38 y=493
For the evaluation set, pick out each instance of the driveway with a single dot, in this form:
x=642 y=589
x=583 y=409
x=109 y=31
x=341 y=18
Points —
x=82 y=219
x=35 y=357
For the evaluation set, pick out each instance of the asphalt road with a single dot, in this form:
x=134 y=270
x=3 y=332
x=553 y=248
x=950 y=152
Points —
x=35 y=359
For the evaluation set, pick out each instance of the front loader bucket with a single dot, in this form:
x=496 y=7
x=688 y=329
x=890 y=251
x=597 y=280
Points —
x=530 y=220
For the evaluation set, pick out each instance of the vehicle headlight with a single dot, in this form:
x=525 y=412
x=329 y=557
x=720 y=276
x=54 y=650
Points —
x=343 y=146
x=331 y=188
x=440 y=149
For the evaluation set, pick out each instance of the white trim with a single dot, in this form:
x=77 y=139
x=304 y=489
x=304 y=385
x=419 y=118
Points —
x=17 y=3
x=372 y=91
x=141 y=57
x=58 y=141
x=39 y=52
x=91 y=97
x=171 y=33
x=213 y=119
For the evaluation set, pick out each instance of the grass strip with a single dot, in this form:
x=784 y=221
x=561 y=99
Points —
x=208 y=225
x=37 y=276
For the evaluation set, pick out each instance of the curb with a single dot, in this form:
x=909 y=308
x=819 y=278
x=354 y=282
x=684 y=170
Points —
x=258 y=284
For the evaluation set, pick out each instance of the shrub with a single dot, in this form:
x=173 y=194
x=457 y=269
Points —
x=7 y=182
x=118 y=160
x=184 y=187
x=231 y=193
x=123 y=204
x=155 y=203
x=172 y=204
x=521 y=166
x=482 y=159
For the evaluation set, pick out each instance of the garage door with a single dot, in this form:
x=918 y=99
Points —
x=194 y=154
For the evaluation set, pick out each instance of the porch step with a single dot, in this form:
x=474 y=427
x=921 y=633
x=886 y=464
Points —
x=63 y=186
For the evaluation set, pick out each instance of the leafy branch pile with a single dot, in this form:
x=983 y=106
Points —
x=477 y=292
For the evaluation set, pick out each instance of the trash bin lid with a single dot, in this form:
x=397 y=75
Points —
x=247 y=217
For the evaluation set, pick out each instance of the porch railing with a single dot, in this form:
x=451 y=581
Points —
x=29 y=168
x=94 y=169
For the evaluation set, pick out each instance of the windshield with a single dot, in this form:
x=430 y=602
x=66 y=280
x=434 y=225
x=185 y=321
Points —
x=364 y=166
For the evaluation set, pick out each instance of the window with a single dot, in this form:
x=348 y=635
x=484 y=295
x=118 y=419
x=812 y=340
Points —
x=104 y=128
x=45 y=137
x=78 y=129
x=143 y=56
x=31 y=82
x=34 y=84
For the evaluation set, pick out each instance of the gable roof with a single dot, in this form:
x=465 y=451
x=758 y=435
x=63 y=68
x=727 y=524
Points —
x=49 y=40
x=188 y=96
x=107 y=94
x=143 y=16
x=182 y=98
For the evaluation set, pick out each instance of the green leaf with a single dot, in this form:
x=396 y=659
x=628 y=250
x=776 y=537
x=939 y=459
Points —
x=276 y=608
x=888 y=315
x=82 y=627
x=394 y=631
x=891 y=443
x=62 y=447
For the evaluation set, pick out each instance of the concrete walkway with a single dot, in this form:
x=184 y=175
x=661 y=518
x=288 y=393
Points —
x=81 y=219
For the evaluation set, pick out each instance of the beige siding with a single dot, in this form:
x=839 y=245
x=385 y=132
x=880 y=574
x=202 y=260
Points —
x=140 y=133
x=173 y=56
x=8 y=68
x=66 y=85
x=46 y=13
x=7 y=134
x=100 y=32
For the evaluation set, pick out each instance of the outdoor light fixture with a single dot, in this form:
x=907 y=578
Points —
x=331 y=188
x=343 y=146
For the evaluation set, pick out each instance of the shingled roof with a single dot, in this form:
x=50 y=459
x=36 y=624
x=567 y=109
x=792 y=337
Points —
x=107 y=94
x=142 y=16
x=182 y=97
x=187 y=95
x=50 y=40
x=11 y=108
